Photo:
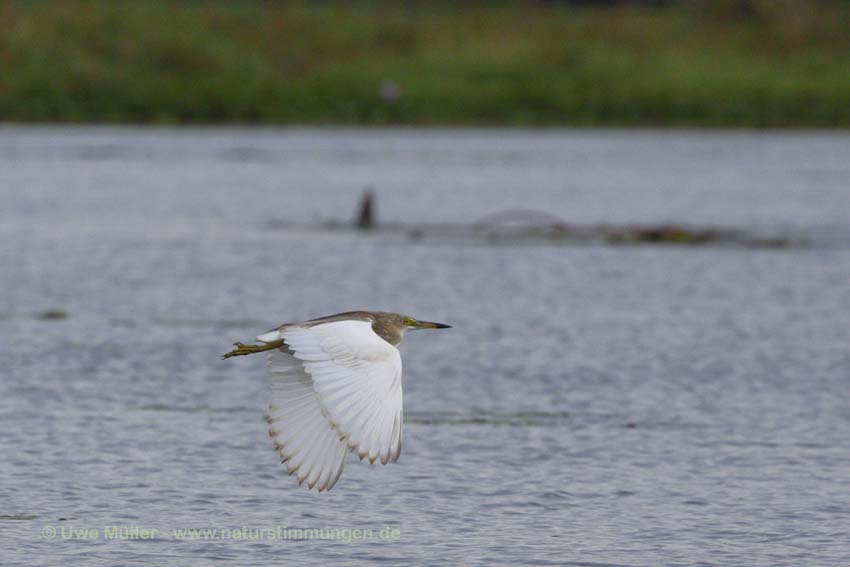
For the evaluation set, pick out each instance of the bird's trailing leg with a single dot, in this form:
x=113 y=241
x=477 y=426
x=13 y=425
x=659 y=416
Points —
x=244 y=350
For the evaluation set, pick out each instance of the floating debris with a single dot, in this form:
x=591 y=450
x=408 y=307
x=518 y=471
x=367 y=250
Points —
x=526 y=226
x=53 y=315
x=663 y=234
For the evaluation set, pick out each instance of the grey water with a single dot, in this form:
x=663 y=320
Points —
x=592 y=405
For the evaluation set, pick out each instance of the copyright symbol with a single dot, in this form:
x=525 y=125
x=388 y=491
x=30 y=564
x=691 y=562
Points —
x=48 y=532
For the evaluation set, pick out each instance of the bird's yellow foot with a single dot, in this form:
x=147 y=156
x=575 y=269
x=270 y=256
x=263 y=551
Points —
x=244 y=350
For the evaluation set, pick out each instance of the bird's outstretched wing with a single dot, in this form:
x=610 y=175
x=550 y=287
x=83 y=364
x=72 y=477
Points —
x=308 y=444
x=335 y=387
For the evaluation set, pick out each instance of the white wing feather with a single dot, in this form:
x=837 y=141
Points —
x=308 y=444
x=357 y=377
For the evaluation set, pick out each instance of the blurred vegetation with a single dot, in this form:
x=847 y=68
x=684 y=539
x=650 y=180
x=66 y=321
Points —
x=773 y=63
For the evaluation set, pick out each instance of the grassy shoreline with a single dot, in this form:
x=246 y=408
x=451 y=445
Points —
x=375 y=63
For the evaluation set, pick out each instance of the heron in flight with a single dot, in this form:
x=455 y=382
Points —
x=336 y=387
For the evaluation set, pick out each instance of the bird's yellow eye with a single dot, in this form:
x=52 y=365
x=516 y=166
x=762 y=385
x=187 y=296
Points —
x=408 y=321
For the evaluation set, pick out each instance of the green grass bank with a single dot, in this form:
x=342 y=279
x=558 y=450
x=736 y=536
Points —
x=783 y=64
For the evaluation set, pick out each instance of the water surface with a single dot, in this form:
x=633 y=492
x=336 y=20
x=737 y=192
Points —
x=593 y=405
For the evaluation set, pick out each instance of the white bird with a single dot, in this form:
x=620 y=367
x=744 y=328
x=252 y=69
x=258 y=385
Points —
x=336 y=387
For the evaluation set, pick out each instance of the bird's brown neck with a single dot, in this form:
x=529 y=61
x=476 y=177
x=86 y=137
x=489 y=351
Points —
x=387 y=331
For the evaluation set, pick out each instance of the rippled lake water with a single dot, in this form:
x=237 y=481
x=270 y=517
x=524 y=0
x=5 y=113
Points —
x=593 y=405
